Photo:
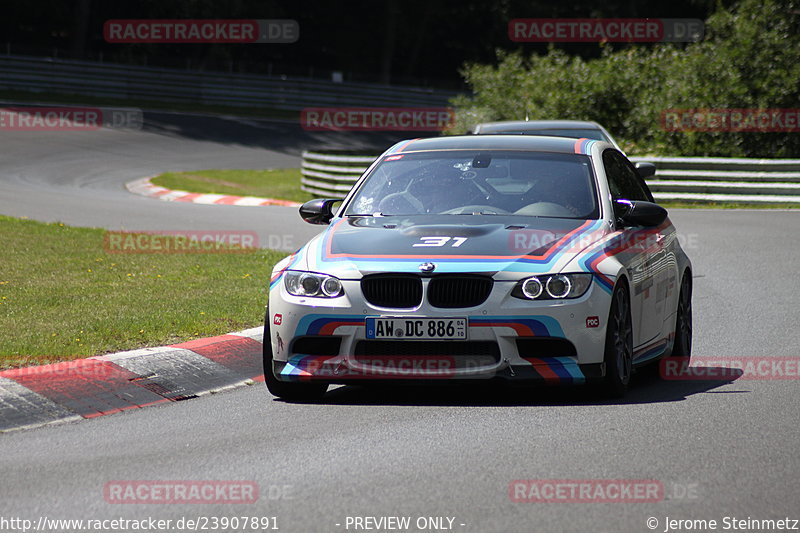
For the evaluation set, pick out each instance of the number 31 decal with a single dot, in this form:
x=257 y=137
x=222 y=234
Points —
x=440 y=241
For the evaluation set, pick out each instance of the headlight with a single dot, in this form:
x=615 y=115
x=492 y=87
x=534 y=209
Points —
x=532 y=288
x=552 y=287
x=311 y=284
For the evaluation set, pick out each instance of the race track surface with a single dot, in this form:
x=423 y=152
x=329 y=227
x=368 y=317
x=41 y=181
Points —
x=720 y=449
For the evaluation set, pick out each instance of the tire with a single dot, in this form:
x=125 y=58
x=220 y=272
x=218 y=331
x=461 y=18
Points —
x=619 y=345
x=682 y=344
x=291 y=392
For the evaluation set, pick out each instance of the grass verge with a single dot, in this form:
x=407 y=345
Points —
x=62 y=296
x=283 y=184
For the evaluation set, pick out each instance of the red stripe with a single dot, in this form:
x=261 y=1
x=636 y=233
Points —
x=273 y=201
x=241 y=355
x=113 y=411
x=404 y=145
x=92 y=388
x=330 y=327
x=187 y=197
x=544 y=369
x=521 y=329
x=199 y=343
x=228 y=200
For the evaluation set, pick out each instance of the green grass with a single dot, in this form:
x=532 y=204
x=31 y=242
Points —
x=283 y=184
x=62 y=296
x=193 y=107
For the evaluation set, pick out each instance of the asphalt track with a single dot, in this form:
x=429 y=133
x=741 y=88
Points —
x=721 y=449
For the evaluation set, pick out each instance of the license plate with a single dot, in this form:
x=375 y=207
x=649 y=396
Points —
x=416 y=328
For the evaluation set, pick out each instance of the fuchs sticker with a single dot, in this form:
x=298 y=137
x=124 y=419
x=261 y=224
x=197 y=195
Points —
x=278 y=319
x=592 y=321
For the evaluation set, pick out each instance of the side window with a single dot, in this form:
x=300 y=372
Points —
x=622 y=178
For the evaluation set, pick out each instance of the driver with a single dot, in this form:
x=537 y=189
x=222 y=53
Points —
x=568 y=191
x=445 y=189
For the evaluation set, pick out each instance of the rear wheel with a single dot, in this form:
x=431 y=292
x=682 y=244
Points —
x=292 y=392
x=619 y=345
x=682 y=346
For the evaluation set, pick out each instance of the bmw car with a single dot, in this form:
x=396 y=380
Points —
x=521 y=260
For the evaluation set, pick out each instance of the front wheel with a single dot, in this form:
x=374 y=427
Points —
x=619 y=345
x=292 y=392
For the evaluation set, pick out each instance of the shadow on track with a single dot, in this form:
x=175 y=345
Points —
x=646 y=387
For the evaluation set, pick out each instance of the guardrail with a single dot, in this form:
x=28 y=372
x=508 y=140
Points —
x=331 y=174
x=715 y=179
x=36 y=74
x=696 y=179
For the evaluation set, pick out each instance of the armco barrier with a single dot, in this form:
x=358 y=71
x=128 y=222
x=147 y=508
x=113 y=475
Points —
x=45 y=75
x=331 y=174
x=696 y=179
x=717 y=179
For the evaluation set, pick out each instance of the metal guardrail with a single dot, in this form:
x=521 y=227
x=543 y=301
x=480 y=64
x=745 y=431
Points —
x=332 y=175
x=36 y=74
x=716 y=179
x=697 y=179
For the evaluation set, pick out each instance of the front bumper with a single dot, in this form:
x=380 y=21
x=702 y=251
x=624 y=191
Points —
x=555 y=341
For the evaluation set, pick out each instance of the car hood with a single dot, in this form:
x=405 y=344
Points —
x=502 y=246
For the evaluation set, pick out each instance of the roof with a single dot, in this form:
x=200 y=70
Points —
x=562 y=145
x=522 y=125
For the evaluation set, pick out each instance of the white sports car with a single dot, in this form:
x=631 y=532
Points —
x=517 y=258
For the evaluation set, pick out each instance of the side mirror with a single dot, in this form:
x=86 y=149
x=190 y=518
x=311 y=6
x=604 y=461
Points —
x=318 y=211
x=645 y=170
x=639 y=213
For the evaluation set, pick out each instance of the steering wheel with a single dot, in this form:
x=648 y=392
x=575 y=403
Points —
x=392 y=203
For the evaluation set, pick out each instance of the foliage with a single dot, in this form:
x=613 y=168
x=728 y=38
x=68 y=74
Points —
x=749 y=58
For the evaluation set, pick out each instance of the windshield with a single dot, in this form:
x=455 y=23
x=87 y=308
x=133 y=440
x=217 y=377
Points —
x=486 y=182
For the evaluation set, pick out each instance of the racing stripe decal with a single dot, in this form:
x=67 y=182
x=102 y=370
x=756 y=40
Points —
x=561 y=370
x=535 y=326
x=619 y=243
x=326 y=324
x=291 y=261
x=583 y=145
x=304 y=365
x=571 y=241
x=403 y=146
